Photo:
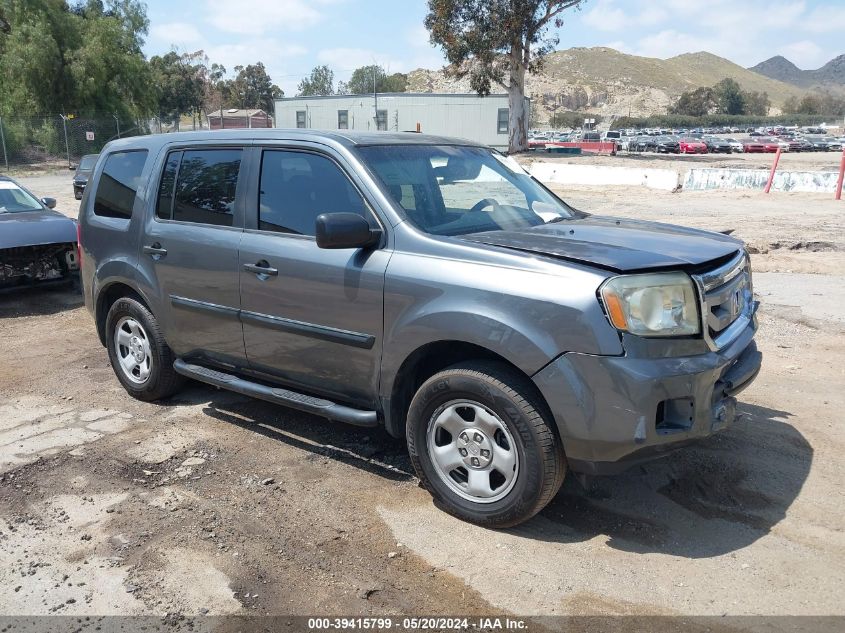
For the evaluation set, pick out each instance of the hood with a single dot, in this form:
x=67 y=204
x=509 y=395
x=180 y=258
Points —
x=31 y=228
x=616 y=244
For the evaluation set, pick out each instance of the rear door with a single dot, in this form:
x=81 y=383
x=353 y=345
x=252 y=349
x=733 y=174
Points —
x=311 y=317
x=190 y=251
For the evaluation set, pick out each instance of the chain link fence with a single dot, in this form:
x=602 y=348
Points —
x=58 y=141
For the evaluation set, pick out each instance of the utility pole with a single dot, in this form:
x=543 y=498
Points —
x=67 y=147
x=375 y=97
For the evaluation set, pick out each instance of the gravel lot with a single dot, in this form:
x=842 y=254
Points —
x=212 y=503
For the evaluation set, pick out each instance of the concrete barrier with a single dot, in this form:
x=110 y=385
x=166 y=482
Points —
x=804 y=181
x=599 y=175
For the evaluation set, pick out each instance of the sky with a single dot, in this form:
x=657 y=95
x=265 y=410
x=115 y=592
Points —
x=293 y=36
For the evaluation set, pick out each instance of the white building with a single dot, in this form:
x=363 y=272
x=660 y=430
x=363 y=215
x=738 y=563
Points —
x=480 y=119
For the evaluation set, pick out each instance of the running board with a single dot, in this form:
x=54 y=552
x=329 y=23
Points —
x=277 y=395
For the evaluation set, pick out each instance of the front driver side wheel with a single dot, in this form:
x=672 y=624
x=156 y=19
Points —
x=480 y=441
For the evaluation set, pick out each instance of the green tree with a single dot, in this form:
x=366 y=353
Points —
x=180 y=82
x=757 y=103
x=252 y=88
x=729 y=96
x=320 y=82
x=811 y=104
x=698 y=102
x=81 y=58
x=373 y=78
x=497 y=41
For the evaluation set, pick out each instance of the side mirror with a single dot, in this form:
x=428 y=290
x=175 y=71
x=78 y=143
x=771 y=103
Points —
x=345 y=230
x=50 y=203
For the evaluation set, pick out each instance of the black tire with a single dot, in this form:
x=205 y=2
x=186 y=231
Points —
x=162 y=381
x=513 y=398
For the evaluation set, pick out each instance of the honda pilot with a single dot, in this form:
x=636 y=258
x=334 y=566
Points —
x=426 y=285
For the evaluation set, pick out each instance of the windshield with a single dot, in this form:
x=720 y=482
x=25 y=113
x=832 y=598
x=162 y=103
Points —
x=87 y=163
x=13 y=199
x=451 y=190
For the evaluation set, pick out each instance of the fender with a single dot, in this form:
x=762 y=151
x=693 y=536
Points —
x=114 y=272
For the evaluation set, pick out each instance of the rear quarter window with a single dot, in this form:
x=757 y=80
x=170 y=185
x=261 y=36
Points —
x=118 y=184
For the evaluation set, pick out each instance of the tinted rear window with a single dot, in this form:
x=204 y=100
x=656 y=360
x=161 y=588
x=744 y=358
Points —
x=118 y=184
x=204 y=187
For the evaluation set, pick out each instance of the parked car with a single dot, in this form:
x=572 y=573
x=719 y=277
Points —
x=37 y=244
x=718 y=145
x=790 y=144
x=643 y=143
x=753 y=145
x=770 y=144
x=806 y=146
x=819 y=144
x=667 y=145
x=427 y=285
x=689 y=145
x=83 y=172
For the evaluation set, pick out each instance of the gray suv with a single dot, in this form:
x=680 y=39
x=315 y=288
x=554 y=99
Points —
x=423 y=284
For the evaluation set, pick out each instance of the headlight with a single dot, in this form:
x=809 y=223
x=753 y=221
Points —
x=657 y=304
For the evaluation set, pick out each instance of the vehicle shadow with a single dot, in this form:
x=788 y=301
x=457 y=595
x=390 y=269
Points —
x=372 y=450
x=40 y=300
x=705 y=500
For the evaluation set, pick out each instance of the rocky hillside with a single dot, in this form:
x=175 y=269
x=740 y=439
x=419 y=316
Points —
x=610 y=83
x=832 y=74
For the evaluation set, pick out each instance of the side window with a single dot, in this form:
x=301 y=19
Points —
x=118 y=184
x=502 y=121
x=300 y=118
x=164 y=207
x=343 y=119
x=296 y=187
x=206 y=181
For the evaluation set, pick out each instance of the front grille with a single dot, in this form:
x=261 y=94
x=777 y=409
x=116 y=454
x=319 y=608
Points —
x=726 y=300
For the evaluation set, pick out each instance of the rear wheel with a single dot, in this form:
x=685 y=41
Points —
x=481 y=444
x=142 y=361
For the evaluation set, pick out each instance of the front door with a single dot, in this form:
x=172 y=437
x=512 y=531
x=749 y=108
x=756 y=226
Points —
x=311 y=317
x=190 y=250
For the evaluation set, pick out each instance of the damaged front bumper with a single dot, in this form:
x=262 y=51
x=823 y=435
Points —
x=43 y=263
x=616 y=411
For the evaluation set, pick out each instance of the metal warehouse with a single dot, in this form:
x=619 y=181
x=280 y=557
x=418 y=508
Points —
x=480 y=119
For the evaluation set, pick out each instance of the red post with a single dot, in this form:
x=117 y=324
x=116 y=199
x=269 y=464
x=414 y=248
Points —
x=841 y=176
x=772 y=173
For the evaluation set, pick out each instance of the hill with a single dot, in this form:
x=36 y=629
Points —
x=832 y=74
x=605 y=81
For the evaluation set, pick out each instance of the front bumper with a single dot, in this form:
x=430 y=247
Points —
x=616 y=411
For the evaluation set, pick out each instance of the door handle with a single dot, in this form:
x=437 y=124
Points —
x=262 y=268
x=155 y=250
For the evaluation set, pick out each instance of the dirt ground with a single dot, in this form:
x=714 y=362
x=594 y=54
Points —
x=212 y=503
